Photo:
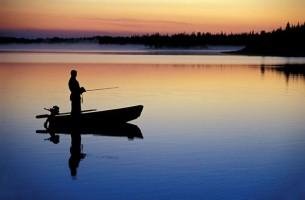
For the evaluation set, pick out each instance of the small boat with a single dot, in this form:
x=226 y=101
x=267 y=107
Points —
x=96 y=118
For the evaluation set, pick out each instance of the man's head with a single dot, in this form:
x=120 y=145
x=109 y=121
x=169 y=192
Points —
x=73 y=73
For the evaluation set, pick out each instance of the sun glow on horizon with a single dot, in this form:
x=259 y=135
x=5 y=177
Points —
x=136 y=16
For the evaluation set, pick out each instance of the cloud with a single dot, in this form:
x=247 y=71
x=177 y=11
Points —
x=137 y=22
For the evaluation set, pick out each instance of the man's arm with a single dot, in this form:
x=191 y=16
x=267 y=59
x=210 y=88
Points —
x=82 y=90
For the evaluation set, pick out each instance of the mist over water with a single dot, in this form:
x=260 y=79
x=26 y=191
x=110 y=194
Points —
x=214 y=127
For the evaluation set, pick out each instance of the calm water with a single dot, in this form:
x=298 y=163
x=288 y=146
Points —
x=214 y=127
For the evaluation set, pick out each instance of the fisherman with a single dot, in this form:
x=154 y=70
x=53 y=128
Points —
x=75 y=95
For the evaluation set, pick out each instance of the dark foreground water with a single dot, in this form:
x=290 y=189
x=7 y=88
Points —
x=214 y=128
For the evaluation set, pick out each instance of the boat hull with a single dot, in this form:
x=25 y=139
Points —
x=93 y=119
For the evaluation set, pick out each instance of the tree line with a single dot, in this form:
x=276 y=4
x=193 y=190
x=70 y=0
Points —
x=281 y=40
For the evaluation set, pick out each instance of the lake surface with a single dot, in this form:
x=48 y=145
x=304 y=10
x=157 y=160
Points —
x=214 y=127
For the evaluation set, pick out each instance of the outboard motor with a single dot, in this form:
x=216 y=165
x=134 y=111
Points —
x=50 y=120
x=54 y=110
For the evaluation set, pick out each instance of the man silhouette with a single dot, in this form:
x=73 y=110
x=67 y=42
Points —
x=75 y=95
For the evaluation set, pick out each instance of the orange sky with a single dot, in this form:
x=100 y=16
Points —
x=147 y=16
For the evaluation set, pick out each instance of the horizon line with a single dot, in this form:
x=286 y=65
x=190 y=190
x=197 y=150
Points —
x=45 y=33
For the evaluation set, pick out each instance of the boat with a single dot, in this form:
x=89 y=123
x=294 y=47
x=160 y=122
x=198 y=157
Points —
x=128 y=130
x=95 y=118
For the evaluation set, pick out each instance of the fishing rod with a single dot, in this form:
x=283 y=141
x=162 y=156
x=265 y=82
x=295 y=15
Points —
x=107 y=88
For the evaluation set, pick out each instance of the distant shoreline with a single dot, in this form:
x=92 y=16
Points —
x=91 y=48
x=158 y=52
x=288 y=52
x=289 y=42
x=141 y=49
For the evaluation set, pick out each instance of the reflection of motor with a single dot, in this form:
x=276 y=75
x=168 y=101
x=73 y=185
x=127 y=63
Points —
x=54 y=138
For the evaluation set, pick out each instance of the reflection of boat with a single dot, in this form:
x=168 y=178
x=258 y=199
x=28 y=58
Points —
x=115 y=116
x=121 y=130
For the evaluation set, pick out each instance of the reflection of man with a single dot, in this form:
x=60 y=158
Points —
x=75 y=151
x=75 y=96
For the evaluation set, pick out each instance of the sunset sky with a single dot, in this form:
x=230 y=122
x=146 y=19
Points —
x=32 y=18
